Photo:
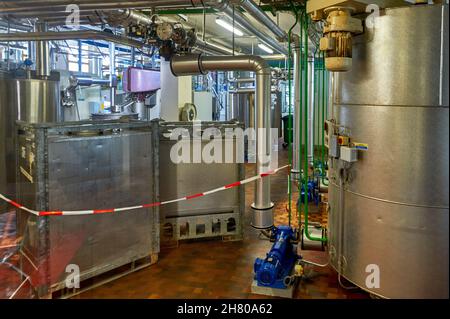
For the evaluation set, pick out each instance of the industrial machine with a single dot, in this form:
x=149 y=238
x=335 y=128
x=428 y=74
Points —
x=311 y=193
x=276 y=271
x=215 y=215
x=140 y=84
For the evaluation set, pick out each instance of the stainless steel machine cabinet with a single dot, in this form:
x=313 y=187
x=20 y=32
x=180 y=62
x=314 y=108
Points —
x=86 y=165
x=23 y=97
x=215 y=215
x=393 y=212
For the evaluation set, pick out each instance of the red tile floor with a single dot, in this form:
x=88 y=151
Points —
x=208 y=268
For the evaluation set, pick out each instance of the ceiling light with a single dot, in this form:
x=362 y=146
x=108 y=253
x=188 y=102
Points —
x=229 y=27
x=265 y=48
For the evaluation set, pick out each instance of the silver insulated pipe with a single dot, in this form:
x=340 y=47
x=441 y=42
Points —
x=297 y=143
x=195 y=64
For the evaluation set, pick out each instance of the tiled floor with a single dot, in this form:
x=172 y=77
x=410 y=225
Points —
x=216 y=269
x=206 y=269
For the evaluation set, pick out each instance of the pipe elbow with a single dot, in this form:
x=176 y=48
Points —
x=259 y=64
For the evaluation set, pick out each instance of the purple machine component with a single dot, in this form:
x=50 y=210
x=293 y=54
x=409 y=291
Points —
x=137 y=80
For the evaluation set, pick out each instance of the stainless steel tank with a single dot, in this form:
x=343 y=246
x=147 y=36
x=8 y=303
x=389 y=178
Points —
x=241 y=107
x=27 y=99
x=395 y=203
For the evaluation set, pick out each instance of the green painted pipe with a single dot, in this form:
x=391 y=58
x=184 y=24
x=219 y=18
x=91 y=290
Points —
x=305 y=179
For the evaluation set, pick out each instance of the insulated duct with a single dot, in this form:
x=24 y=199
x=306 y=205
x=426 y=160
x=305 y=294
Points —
x=195 y=64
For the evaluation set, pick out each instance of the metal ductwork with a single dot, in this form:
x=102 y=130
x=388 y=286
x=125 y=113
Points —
x=240 y=19
x=56 y=9
x=225 y=7
x=255 y=11
x=195 y=64
x=124 y=17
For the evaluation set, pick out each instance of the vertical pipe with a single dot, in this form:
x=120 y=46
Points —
x=323 y=71
x=310 y=105
x=112 y=77
x=80 y=57
x=133 y=56
x=42 y=53
x=296 y=161
x=262 y=206
x=32 y=52
x=8 y=49
x=306 y=164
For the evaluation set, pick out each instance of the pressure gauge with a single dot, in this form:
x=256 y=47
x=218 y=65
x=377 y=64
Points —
x=164 y=31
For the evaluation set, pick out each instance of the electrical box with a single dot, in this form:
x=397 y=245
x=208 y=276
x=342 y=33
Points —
x=349 y=154
x=343 y=140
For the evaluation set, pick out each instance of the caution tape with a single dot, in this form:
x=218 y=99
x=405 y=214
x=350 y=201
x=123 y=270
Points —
x=123 y=209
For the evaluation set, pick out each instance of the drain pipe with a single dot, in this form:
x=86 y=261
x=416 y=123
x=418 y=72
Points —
x=195 y=64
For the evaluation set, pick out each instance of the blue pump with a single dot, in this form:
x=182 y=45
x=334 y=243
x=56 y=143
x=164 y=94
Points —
x=279 y=262
x=313 y=192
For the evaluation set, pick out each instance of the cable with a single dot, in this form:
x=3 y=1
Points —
x=316 y=264
x=344 y=286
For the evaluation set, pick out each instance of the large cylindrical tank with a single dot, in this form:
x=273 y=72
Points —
x=26 y=99
x=394 y=207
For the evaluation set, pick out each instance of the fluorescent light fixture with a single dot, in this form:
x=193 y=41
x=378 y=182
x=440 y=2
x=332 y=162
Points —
x=229 y=27
x=265 y=48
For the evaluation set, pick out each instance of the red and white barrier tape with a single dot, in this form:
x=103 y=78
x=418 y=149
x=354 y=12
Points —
x=122 y=209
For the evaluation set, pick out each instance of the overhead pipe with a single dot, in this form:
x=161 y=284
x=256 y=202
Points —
x=76 y=81
x=220 y=5
x=241 y=20
x=256 y=12
x=17 y=7
x=70 y=35
x=213 y=47
x=194 y=64
x=225 y=7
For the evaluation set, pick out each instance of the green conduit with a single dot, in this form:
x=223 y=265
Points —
x=304 y=29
